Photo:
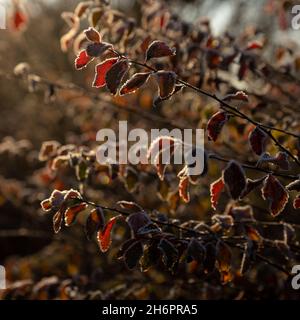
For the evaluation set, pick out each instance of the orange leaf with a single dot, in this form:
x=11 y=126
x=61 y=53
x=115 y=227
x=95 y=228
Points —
x=215 y=192
x=104 y=237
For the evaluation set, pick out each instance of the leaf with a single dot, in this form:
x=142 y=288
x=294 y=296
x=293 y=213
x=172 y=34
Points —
x=158 y=49
x=234 y=179
x=196 y=250
x=19 y=19
x=46 y=205
x=215 y=191
x=104 y=236
x=72 y=212
x=276 y=194
x=294 y=186
x=131 y=179
x=280 y=160
x=296 y=202
x=95 y=16
x=159 y=144
x=254 y=45
x=48 y=150
x=184 y=189
x=242 y=213
x=57 y=220
x=133 y=254
x=92 y=35
x=239 y=95
x=258 y=139
x=125 y=245
x=134 y=83
x=215 y=125
x=66 y=39
x=101 y=70
x=94 y=222
x=252 y=233
x=224 y=256
x=82 y=7
x=150 y=228
x=222 y=221
x=252 y=185
x=169 y=252
x=210 y=258
x=138 y=220
x=115 y=75
x=96 y=49
x=129 y=205
x=71 y=19
x=166 y=82
x=150 y=257
x=82 y=60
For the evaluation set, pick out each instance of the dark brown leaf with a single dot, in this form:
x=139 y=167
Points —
x=158 y=49
x=133 y=254
x=166 y=82
x=92 y=35
x=115 y=75
x=258 y=140
x=134 y=83
x=215 y=125
x=234 y=179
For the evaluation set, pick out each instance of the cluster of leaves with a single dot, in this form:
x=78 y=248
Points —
x=216 y=227
x=194 y=241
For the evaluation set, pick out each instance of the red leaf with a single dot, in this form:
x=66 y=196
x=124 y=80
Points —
x=215 y=125
x=258 y=139
x=235 y=180
x=254 y=45
x=134 y=83
x=296 y=202
x=166 y=82
x=276 y=194
x=82 y=60
x=115 y=75
x=19 y=20
x=158 y=49
x=101 y=70
x=215 y=192
x=71 y=213
x=104 y=236
x=92 y=35
x=184 y=189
